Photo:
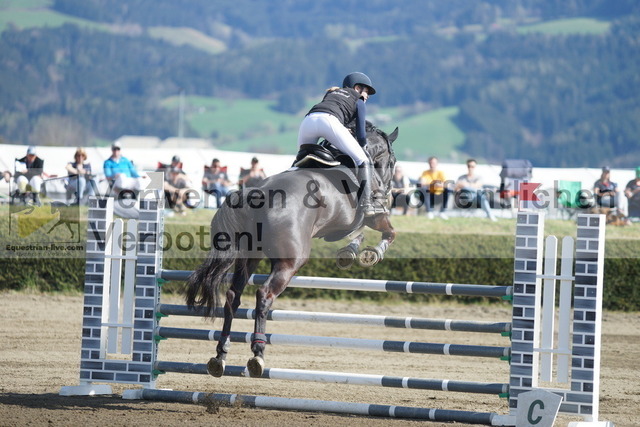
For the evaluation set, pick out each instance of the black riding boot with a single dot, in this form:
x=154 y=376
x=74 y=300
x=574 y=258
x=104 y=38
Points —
x=364 y=176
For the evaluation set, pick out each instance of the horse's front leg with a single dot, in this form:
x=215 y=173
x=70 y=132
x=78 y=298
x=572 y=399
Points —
x=347 y=255
x=371 y=255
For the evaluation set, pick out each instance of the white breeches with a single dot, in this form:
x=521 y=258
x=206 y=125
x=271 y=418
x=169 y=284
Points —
x=35 y=183
x=324 y=125
x=124 y=182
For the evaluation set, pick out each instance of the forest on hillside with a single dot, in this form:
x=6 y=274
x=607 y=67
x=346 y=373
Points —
x=558 y=100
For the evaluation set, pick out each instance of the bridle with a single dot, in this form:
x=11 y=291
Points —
x=390 y=162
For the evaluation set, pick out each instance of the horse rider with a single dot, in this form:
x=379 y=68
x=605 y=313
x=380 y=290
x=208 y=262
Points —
x=328 y=120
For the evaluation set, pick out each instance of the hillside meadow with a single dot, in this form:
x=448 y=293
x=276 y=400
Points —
x=254 y=125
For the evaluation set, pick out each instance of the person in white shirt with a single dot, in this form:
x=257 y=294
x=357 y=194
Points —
x=469 y=190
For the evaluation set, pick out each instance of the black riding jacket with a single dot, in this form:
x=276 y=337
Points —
x=34 y=168
x=345 y=104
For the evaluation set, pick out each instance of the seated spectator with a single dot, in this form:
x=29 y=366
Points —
x=171 y=191
x=167 y=168
x=605 y=190
x=400 y=186
x=216 y=181
x=79 y=176
x=121 y=173
x=470 y=192
x=252 y=176
x=632 y=192
x=433 y=184
x=176 y=188
x=29 y=175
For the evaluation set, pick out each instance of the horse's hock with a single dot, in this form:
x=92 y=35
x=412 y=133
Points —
x=122 y=329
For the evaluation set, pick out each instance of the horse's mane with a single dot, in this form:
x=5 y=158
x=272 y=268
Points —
x=376 y=146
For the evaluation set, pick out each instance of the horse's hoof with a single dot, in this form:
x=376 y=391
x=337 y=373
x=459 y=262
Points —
x=369 y=257
x=215 y=367
x=255 y=366
x=345 y=258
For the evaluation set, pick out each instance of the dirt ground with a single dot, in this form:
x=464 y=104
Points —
x=40 y=352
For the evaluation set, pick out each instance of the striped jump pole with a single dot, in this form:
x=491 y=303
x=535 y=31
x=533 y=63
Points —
x=310 y=405
x=352 y=319
x=369 y=285
x=344 y=378
x=338 y=342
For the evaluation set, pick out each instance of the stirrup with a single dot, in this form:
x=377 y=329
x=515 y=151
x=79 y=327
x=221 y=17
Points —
x=373 y=209
x=368 y=210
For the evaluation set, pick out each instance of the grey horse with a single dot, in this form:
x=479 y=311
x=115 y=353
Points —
x=277 y=220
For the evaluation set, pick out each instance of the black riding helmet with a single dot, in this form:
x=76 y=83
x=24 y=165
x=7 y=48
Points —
x=358 y=79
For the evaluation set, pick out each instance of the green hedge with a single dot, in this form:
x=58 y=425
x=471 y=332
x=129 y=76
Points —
x=67 y=275
x=460 y=251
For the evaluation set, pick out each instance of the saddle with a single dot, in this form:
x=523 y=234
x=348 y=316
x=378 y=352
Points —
x=333 y=162
x=322 y=155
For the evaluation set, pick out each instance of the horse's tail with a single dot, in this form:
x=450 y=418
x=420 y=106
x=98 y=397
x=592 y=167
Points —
x=205 y=285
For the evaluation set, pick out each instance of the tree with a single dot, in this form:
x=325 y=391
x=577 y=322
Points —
x=58 y=130
x=290 y=101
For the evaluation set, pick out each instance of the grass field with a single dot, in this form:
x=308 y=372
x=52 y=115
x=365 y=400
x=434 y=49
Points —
x=253 y=125
x=412 y=224
x=567 y=26
x=467 y=250
x=34 y=18
x=188 y=36
x=429 y=134
x=24 y=4
x=35 y=13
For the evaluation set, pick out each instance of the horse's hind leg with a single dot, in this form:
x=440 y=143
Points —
x=281 y=273
x=243 y=270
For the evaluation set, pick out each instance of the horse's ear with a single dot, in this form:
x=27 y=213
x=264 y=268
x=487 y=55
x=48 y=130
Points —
x=393 y=136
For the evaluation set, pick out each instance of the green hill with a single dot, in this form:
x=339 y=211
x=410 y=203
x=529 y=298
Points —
x=253 y=125
x=26 y=14
x=551 y=81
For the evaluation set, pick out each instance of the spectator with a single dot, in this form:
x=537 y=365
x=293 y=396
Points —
x=632 y=191
x=29 y=175
x=470 y=192
x=252 y=176
x=400 y=186
x=121 y=173
x=433 y=184
x=79 y=176
x=176 y=189
x=605 y=190
x=216 y=181
x=167 y=168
